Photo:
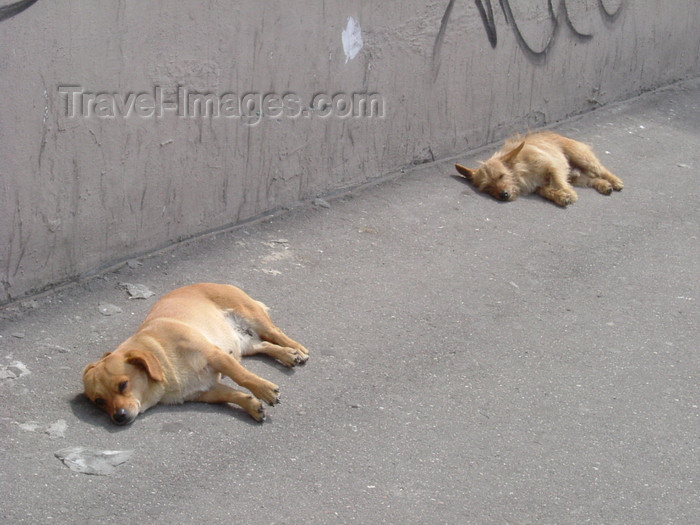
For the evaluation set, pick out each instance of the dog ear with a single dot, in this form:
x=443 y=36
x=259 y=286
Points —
x=93 y=365
x=148 y=362
x=88 y=368
x=510 y=156
x=464 y=171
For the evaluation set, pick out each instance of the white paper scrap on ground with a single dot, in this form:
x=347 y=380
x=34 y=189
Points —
x=352 y=39
x=91 y=461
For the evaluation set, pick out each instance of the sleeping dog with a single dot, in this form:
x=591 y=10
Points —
x=189 y=339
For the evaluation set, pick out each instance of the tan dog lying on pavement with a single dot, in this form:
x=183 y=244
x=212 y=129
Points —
x=190 y=337
x=545 y=163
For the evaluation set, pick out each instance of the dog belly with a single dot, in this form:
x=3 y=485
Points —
x=241 y=337
x=231 y=334
x=198 y=382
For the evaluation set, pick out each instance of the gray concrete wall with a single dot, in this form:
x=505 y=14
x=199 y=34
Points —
x=107 y=151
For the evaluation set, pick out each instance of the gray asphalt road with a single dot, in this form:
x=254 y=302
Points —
x=472 y=361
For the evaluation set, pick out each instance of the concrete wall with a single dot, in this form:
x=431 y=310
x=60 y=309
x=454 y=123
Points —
x=102 y=159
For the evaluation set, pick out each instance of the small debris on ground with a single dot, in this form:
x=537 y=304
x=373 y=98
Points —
x=137 y=291
x=274 y=243
x=92 y=461
x=107 y=309
x=46 y=346
x=14 y=370
x=54 y=430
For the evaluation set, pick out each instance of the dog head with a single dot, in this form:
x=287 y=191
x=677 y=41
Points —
x=495 y=176
x=118 y=382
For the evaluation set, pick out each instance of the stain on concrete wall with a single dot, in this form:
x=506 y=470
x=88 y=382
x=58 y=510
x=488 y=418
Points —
x=129 y=126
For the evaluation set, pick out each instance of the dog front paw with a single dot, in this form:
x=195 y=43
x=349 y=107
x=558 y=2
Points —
x=268 y=392
x=299 y=358
x=563 y=199
x=256 y=409
x=559 y=196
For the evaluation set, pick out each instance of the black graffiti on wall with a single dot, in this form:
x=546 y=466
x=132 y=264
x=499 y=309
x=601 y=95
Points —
x=10 y=10
x=486 y=11
x=557 y=17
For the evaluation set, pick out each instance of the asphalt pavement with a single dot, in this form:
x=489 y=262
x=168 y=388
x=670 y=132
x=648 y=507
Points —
x=471 y=361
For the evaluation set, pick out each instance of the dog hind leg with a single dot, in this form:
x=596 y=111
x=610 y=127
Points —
x=267 y=331
x=229 y=297
x=614 y=181
x=582 y=157
x=286 y=355
x=598 y=183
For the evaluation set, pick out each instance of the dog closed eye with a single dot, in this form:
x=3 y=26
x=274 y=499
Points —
x=122 y=386
x=100 y=402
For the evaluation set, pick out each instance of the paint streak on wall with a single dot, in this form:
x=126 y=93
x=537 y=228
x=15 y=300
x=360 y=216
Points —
x=352 y=39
